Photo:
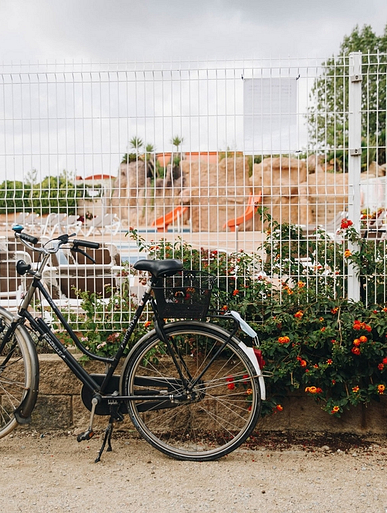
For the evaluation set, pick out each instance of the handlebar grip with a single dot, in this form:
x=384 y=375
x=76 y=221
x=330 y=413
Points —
x=86 y=244
x=29 y=238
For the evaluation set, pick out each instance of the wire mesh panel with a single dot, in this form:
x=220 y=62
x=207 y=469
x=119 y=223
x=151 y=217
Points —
x=239 y=168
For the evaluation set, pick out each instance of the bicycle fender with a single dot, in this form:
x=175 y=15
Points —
x=24 y=410
x=243 y=324
x=249 y=352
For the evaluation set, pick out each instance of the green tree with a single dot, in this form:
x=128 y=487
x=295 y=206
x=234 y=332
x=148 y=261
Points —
x=15 y=196
x=177 y=141
x=53 y=194
x=328 y=114
x=136 y=143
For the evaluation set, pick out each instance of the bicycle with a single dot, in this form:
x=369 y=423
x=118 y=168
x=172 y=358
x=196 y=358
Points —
x=192 y=389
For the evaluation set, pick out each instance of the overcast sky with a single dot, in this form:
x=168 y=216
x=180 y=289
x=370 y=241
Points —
x=176 y=30
x=36 y=134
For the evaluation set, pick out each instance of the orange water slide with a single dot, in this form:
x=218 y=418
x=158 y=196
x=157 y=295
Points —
x=163 y=222
x=252 y=206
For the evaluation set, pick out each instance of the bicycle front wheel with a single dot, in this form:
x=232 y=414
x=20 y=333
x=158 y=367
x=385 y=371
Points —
x=210 y=395
x=19 y=370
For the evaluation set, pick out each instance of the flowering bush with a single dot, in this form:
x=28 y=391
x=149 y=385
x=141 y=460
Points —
x=333 y=350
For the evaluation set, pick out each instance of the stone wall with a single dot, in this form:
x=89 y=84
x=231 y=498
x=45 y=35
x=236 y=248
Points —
x=59 y=406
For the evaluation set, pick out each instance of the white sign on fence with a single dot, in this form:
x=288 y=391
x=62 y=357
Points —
x=270 y=115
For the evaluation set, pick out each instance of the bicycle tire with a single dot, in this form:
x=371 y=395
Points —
x=224 y=407
x=19 y=375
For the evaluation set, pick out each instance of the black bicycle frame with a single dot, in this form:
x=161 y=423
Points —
x=39 y=325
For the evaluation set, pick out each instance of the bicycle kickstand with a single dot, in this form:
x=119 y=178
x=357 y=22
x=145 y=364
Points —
x=107 y=438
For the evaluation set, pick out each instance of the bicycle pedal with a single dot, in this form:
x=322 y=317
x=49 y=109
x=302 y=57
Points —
x=87 y=435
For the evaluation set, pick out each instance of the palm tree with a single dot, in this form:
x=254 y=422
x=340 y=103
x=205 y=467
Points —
x=177 y=141
x=136 y=143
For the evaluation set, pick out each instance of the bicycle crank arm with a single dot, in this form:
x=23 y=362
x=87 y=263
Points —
x=89 y=433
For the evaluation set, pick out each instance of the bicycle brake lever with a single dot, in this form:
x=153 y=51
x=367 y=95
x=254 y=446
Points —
x=78 y=250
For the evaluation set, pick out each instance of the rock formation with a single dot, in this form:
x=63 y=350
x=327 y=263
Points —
x=215 y=192
x=279 y=180
x=130 y=190
x=293 y=190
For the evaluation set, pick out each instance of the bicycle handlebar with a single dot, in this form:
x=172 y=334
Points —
x=85 y=243
x=63 y=239
x=28 y=238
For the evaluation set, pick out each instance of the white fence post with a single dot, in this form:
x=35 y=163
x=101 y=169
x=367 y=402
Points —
x=354 y=163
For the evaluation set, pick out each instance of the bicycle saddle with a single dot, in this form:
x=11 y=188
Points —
x=159 y=267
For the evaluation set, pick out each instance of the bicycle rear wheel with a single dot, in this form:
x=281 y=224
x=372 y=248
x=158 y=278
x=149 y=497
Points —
x=18 y=376
x=201 y=423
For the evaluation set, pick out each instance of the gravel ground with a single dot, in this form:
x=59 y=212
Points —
x=275 y=473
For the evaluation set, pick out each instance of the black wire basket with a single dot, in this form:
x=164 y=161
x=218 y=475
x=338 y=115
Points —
x=185 y=295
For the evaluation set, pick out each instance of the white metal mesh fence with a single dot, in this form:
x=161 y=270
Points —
x=201 y=155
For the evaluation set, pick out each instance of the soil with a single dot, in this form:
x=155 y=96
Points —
x=276 y=472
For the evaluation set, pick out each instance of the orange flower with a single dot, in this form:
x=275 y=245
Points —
x=381 y=366
x=363 y=339
x=355 y=390
x=358 y=325
x=147 y=323
x=335 y=409
x=356 y=342
x=355 y=350
x=329 y=361
x=235 y=292
x=301 y=284
x=313 y=390
x=347 y=253
x=298 y=315
x=334 y=310
x=279 y=407
x=283 y=340
x=381 y=389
